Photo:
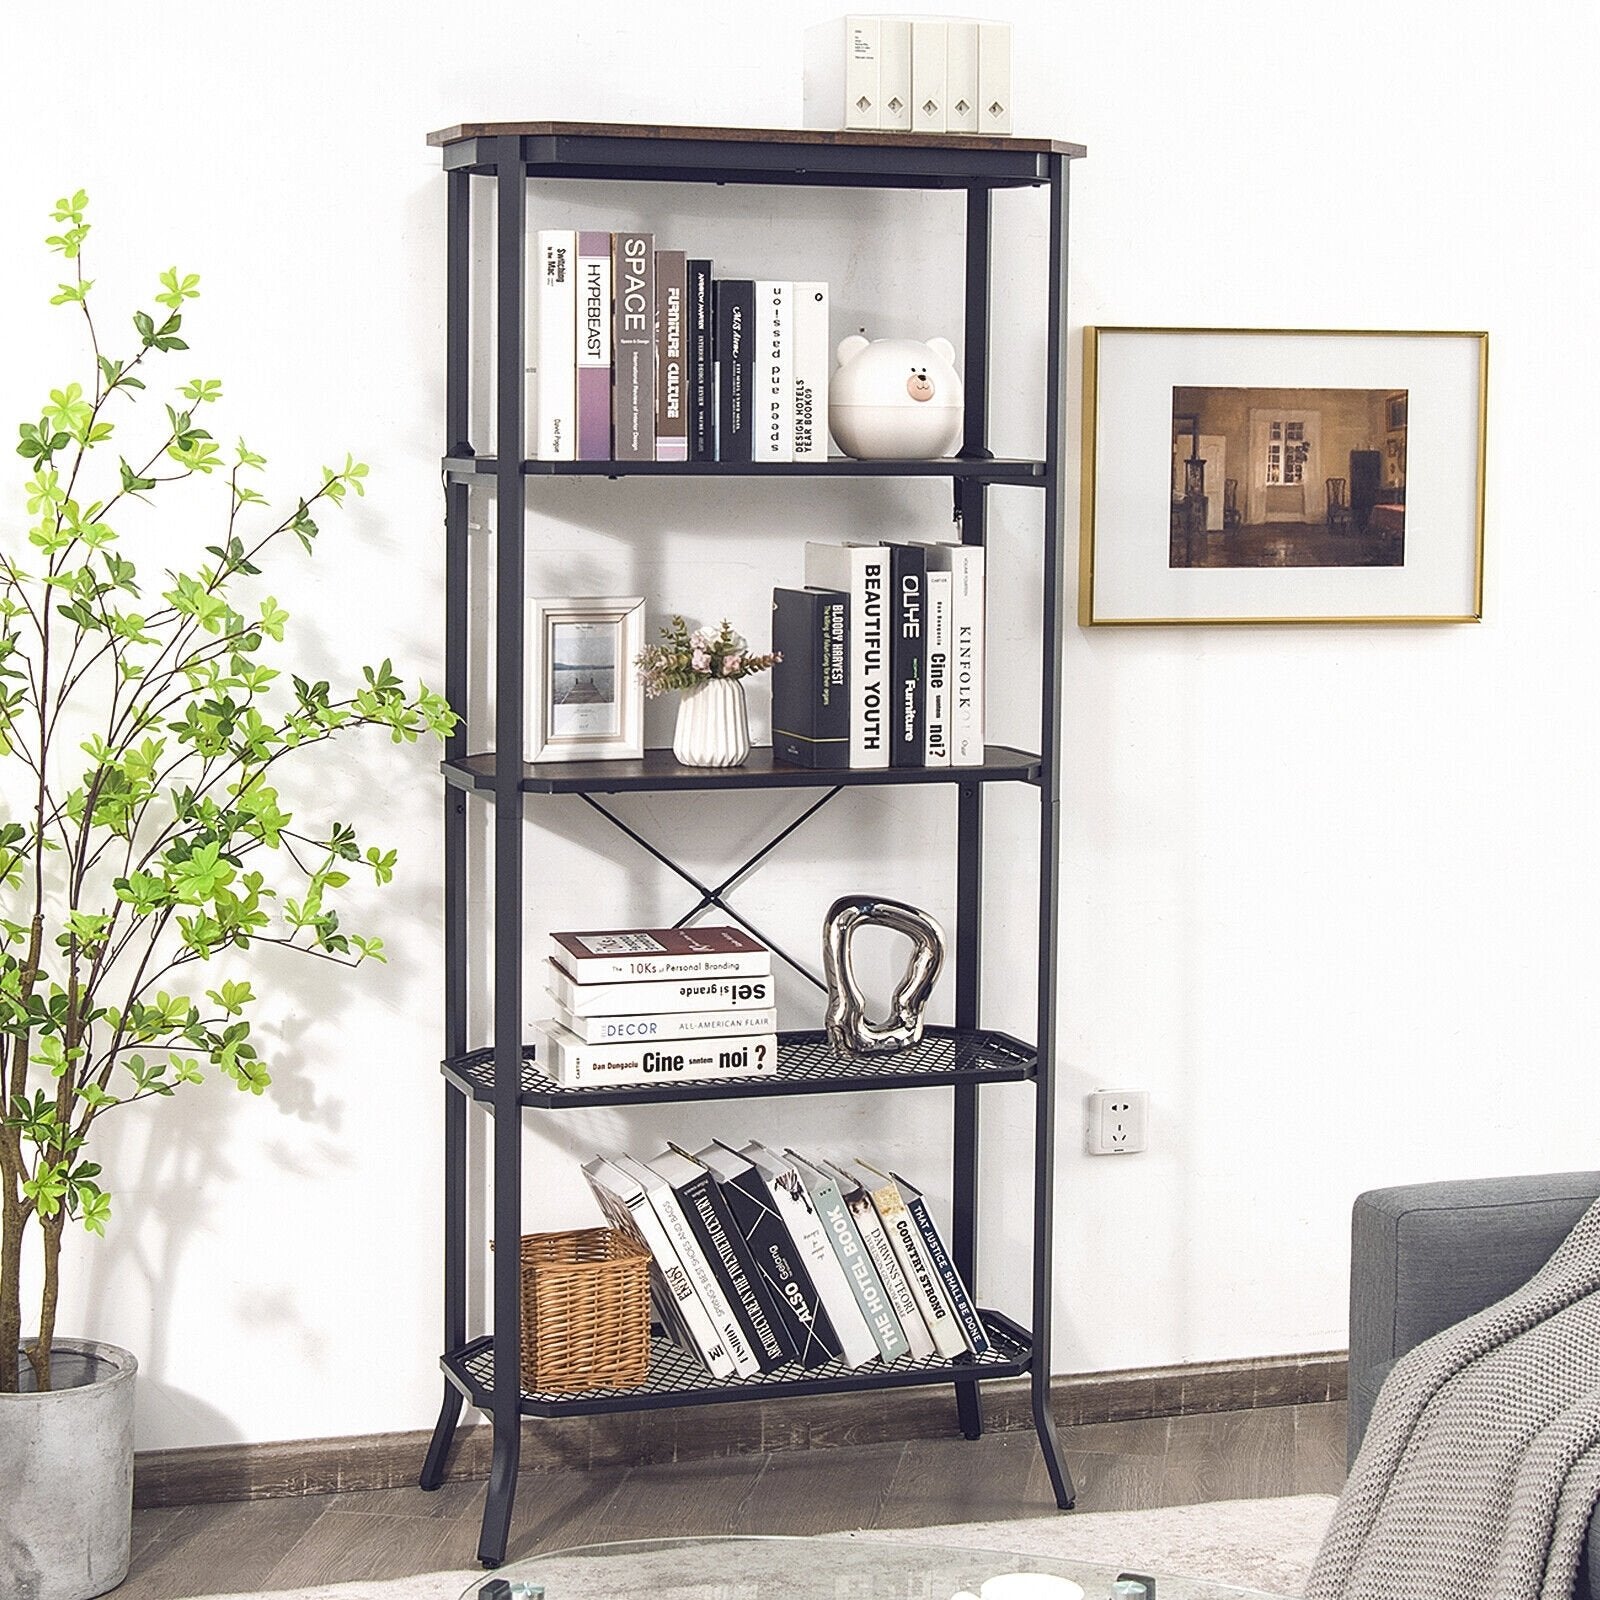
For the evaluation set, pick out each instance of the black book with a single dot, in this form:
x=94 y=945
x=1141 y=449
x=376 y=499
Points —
x=707 y=1215
x=811 y=684
x=735 y=300
x=908 y=626
x=774 y=1257
x=702 y=391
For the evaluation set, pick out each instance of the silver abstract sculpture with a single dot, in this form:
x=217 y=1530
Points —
x=850 y=1031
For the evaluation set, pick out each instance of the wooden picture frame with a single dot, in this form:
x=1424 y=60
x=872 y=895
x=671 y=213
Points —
x=584 y=702
x=1320 y=476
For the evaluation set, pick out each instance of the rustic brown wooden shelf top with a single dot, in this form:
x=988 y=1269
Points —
x=828 y=137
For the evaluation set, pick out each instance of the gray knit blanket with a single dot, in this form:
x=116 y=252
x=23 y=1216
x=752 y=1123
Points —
x=1481 y=1465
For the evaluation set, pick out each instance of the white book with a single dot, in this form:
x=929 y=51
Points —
x=573 y=1064
x=994 y=77
x=862 y=572
x=961 y=76
x=841 y=73
x=813 y=359
x=773 y=439
x=884 y=1262
x=929 y=70
x=936 y=672
x=865 y=1285
x=894 y=74
x=668 y=1025
x=555 y=407
x=965 y=564
x=920 y=1272
x=756 y=993
x=706 y=1283
x=793 y=1203
x=683 y=1313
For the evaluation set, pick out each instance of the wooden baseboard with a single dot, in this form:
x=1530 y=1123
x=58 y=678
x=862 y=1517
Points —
x=392 y=1460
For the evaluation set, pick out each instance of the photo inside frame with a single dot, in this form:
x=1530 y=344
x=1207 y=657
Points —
x=584 y=663
x=1287 y=477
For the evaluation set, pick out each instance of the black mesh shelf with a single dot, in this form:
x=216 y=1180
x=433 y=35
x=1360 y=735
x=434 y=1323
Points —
x=806 y=1065
x=678 y=1379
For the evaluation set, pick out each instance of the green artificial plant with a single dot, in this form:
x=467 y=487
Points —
x=144 y=846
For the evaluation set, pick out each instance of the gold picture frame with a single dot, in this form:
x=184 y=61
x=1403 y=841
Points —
x=1311 y=476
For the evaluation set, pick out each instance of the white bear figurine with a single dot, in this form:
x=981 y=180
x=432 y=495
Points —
x=895 y=399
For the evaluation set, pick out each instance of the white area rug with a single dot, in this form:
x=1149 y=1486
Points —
x=1256 y=1544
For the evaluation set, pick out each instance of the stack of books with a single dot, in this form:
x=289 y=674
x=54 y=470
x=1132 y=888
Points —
x=909 y=74
x=762 y=1259
x=636 y=1005
x=640 y=354
x=882 y=657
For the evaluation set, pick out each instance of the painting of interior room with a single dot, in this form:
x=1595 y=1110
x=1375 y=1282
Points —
x=1288 y=477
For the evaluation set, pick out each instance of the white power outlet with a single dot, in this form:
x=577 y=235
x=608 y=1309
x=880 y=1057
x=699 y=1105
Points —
x=1116 y=1121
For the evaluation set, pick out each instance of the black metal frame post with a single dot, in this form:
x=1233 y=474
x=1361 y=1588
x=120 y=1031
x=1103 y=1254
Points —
x=458 y=267
x=971 y=501
x=511 y=206
x=1053 y=610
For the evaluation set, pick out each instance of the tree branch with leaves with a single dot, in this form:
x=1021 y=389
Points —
x=142 y=829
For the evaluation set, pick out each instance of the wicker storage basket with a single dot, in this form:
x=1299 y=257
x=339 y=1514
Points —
x=585 y=1311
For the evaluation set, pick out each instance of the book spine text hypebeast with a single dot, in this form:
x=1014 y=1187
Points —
x=594 y=346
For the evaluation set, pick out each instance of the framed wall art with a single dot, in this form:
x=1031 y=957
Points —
x=584 y=703
x=1238 y=475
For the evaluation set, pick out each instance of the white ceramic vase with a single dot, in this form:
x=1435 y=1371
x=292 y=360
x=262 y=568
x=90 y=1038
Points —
x=713 y=729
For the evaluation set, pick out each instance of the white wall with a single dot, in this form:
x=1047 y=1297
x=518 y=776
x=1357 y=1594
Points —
x=1326 y=892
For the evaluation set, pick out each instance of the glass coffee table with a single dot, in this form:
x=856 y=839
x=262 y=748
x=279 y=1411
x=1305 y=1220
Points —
x=831 y=1567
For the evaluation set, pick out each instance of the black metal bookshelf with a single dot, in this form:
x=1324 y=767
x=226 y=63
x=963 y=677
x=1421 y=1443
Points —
x=503 y=1076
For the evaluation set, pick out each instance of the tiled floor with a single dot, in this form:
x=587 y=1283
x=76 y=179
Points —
x=288 y=1543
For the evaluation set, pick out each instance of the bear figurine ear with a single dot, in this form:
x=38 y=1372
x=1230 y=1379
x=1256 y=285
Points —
x=943 y=347
x=851 y=347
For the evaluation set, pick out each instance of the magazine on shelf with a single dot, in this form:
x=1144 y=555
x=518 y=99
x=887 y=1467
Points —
x=794 y=1204
x=707 y=1213
x=683 y=1314
x=572 y=1063
x=633 y=390
x=846 y=1241
x=862 y=572
x=774 y=1257
x=614 y=955
x=645 y=995
x=869 y=1229
x=594 y=346
x=912 y=1253
x=686 y=1242
x=668 y=1025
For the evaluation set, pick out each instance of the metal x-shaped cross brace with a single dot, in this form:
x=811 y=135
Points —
x=714 y=895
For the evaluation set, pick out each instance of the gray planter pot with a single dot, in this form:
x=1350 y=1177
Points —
x=66 y=1463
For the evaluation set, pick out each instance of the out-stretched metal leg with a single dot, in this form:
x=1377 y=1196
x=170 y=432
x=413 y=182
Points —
x=444 y=1431
x=502 y=1493
x=1049 y=1445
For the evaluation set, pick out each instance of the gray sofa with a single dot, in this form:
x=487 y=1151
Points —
x=1428 y=1254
